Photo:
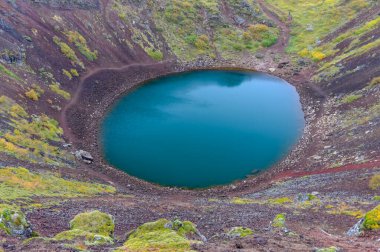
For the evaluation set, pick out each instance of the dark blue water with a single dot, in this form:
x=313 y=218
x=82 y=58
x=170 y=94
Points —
x=202 y=128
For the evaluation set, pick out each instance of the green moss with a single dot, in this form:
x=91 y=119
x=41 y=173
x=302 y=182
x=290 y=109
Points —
x=312 y=20
x=19 y=183
x=33 y=138
x=9 y=73
x=330 y=249
x=279 y=221
x=95 y=228
x=160 y=236
x=242 y=201
x=239 y=232
x=155 y=54
x=344 y=209
x=376 y=198
x=351 y=98
x=94 y=222
x=90 y=239
x=280 y=201
x=374 y=182
x=372 y=219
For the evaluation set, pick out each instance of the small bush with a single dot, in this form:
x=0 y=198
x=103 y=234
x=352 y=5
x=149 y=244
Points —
x=55 y=87
x=67 y=73
x=374 y=82
x=279 y=221
x=317 y=56
x=32 y=94
x=81 y=43
x=67 y=51
x=372 y=219
x=155 y=54
x=74 y=72
x=374 y=182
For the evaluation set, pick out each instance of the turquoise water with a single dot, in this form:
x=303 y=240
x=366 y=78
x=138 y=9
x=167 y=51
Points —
x=202 y=128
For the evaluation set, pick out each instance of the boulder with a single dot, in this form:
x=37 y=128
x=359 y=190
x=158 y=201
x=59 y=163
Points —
x=356 y=230
x=282 y=64
x=259 y=55
x=84 y=156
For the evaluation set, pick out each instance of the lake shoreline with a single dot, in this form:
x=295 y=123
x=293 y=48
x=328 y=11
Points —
x=106 y=87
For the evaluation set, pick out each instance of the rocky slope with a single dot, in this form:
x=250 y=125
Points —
x=63 y=63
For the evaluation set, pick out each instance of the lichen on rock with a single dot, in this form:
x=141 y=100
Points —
x=14 y=222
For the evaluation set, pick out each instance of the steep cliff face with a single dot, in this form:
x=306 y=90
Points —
x=62 y=63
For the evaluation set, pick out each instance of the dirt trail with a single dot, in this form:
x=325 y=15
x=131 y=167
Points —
x=283 y=40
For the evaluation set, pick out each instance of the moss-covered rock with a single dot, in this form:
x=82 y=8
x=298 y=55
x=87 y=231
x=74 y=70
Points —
x=90 y=239
x=14 y=222
x=239 y=232
x=372 y=219
x=95 y=228
x=161 y=236
x=94 y=222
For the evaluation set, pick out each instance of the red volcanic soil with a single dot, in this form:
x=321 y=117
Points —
x=348 y=167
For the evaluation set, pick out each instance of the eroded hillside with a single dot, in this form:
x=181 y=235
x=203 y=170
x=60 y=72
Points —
x=62 y=63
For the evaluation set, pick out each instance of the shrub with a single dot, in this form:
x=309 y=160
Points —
x=304 y=53
x=257 y=31
x=375 y=81
x=74 y=72
x=55 y=87
x=81 y=43
x=279 y=221
x=32 y=94
x=17 y=111
x=155 y=54
x=374 y=182
x=372 y=219
x=67 y=51
x=67 y=73
x=317 y=56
